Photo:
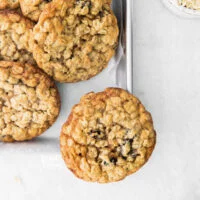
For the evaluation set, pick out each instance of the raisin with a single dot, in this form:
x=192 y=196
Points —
x=90 y=5
x=113 y=160
x=124 y=158
x=131 y=141
x=101 y=14
x=133 y=153
x=95 y=131
x=105 y=163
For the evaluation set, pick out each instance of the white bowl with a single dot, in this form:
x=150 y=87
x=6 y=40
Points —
x=181 y=10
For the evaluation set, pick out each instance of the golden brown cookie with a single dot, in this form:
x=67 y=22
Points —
x=10 y=4
x=108 y=136
x=29 y=102
x=33 y=8
x=15 y=37
x=74 y=40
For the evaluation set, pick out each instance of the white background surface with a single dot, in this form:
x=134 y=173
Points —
x=166 y=79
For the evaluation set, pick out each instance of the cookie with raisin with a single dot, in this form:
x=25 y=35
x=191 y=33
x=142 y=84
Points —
x=33 y=8
x=108 y=136
x=74 y=40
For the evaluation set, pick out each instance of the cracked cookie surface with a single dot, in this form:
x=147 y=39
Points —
x=33 y=8
x=29 y=102
x=9 y=4
x=15 y=36
x=75 y=39
x=107 y=136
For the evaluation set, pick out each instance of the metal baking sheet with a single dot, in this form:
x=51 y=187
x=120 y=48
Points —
x=41 y=155
x=181 y=11
x=124 y=75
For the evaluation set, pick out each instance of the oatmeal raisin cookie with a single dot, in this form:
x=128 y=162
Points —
x=29 y=101
x=75 y=39
x=108 y=136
